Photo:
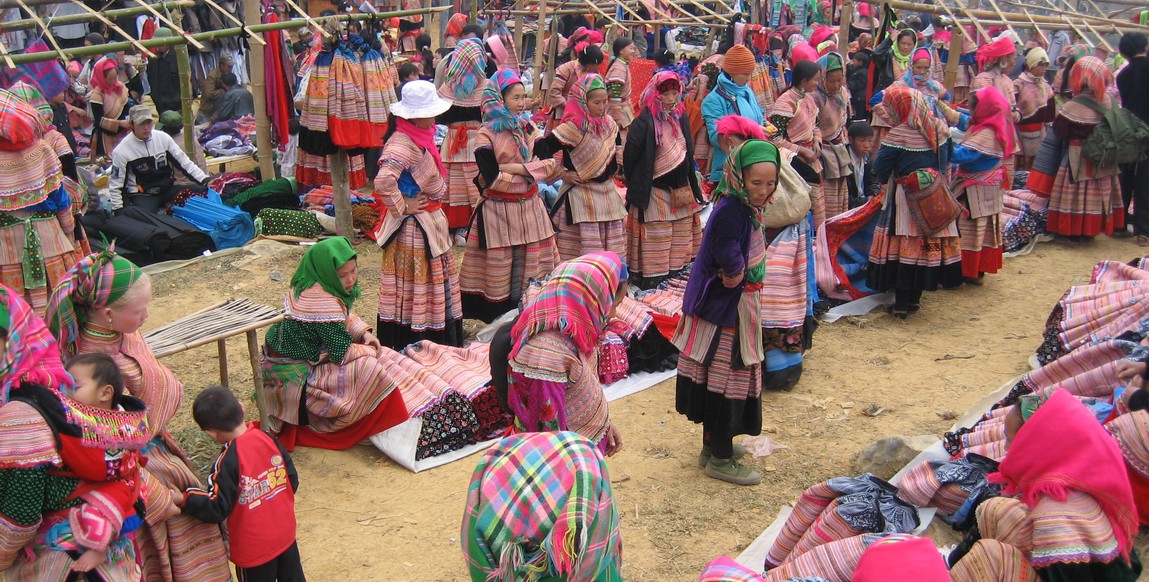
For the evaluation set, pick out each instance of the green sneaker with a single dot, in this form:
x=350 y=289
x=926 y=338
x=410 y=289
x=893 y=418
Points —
x=704 y=456
x=731 y=471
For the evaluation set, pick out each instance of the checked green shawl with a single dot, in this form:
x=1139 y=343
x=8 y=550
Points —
x=540 y=509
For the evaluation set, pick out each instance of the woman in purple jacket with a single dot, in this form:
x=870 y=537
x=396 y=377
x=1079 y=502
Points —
x=720 y=335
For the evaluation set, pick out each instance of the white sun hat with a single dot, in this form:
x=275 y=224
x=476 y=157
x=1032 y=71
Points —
x=419 y=100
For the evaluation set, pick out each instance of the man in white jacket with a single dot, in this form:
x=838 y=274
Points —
x=144 y=164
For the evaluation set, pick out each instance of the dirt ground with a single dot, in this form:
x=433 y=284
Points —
x=363 y=517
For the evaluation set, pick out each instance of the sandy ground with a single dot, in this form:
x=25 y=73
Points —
x=363 y=517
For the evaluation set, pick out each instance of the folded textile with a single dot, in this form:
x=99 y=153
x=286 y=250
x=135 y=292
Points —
x=228 y=227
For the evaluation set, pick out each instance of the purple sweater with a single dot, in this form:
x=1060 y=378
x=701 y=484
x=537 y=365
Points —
x=725 y=246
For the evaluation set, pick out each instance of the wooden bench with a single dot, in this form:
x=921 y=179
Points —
x=216 y=324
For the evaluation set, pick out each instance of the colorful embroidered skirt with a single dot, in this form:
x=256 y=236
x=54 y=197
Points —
x=494 y=280
x=462 y=194
x=576 y=240
x=660 y=250
x=1085 y=208
x=55 y=246
x=313 y=170
x=911 y=262
x=836 y=194
x=419 y=295
x=715 y=391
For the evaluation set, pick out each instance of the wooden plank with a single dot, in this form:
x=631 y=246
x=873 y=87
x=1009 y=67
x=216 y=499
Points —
x=344 y=225
x=175 y=27
x=253 y=356
x=953 y=63
x=183 y=347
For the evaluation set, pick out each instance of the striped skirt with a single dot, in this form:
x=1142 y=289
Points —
x=56 y=247
x=338 y=395
x=313 y=170
x=981 y=242
x=576 y=240
x=493 y=280
x=179 y=548
x=836 y=194
x=419 y=295
x=834 y=561
x=818 y=204
x=911 y=262
x=660 y=250
x=992 y=561
x=462 y=194
x=1085 y=208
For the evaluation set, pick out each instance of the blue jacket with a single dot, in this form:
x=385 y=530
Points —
x=726 y=99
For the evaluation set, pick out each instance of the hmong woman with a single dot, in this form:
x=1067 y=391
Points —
x=99 y=307
x=463 y=89
x=324 y=381
x=720 y=333
x=567 y=75
x=419 y=284
x=891 y=60
x=1075 y=519
x=108 y=101
x=996 y=61
x=978 y=180
x=588 y=214
x=833 y=100
x=662 y=225
x=903 y=258
x=512 y=240
x=564 y=478
x=1035 y=104
x=795 y=114
x=553 y=362
x=1085 y=199
x=618 y=84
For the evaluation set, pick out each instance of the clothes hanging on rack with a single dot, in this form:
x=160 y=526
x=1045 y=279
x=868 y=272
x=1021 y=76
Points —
x=344 y=98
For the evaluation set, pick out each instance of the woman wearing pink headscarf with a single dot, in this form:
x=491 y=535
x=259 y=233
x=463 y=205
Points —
x=996 y=61
x=977 y=183
x=108 y=101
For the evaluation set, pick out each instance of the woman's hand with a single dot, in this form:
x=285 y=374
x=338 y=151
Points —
x=89 y=560
x=177 y=497
x=731 y=282
x=1131 y=371
x=124 y=124
x=571 y=177
x=371 y=341
x=415 y=205
x=613 y=440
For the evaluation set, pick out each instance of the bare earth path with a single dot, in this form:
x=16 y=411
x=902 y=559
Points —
x=362 y=517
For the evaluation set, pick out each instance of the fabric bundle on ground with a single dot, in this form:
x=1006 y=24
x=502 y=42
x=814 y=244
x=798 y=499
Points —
x=280 y=222
x=843 y=251
x=1116 y=298
x=1024 y=215
x=228 y=138
x=955 y=487
x=228 y=227
x=837 y=509
x=278 y=193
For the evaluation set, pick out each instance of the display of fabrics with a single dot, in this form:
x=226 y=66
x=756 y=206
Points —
x=345 y=98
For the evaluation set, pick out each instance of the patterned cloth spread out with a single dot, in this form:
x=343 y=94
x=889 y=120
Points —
x=31 y=353
x=540 y=507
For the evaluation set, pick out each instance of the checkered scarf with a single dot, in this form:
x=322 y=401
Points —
x=96 y=281
x=664 y=118
x=575 y=301
x=540 y=507
x=20 y=123
x=498 y=118
x=467 y=70
x=576 y=110
x=1090 y=75
x=30 y=353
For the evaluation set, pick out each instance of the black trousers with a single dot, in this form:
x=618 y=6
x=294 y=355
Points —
x=1135 y=188
x=286 y=567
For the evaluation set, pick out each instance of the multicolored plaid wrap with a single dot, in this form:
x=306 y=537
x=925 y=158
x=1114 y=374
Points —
x=576 y=301
x=30 y=353
x=97 y=281
x=465 y=79
x=539 y=509
x=498 y=118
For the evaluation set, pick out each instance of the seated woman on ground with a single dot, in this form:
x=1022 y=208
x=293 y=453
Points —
x=553 y=362
x=325 y=355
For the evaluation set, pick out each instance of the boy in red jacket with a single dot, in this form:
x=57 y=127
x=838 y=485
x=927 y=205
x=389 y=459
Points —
x=252 y=486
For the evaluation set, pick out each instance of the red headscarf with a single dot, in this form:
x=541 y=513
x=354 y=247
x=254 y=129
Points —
x=995 y=50
x=1090 y=75
x=98 y=73
x=1062 y=448
x=901 y=558
x=921 y=55
x=990 y=113
x=743 y=127
x=455 y=24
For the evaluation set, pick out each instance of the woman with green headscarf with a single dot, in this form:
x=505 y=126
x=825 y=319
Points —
x=720 y=334
x=99 y=307
x=324 y=382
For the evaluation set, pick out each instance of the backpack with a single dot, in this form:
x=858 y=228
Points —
x=1120 y=138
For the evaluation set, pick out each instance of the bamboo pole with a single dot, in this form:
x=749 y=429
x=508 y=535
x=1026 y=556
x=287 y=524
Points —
x=844 y=28
x=263 y=145
x=1001 y=14
x=258 y=39
x=520 y=50
x=1080 y=33
x=28 y=23
x=175 y=27
x=977 y=23
x=953 y=63
x=1037 y=29
x=1100 y=38
x=720 y=17
x=540 y=30
x=183 y=63
x=1078 y=15
x=980 y=16
x=675 y=23
x=7 y=56
x=307 y=17
x=344 y=224
x=25 y=58
x=44 y=27
x=135 y=44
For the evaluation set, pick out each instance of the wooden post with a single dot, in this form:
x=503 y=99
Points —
x=520 y=50
x=344 y=226
x=542 y=26
x=844 y=29
x=183 y=65
x=264 y=148
x=952 y=64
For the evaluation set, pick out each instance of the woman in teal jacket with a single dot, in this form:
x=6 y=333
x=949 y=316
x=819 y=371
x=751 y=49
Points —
x=731 y=96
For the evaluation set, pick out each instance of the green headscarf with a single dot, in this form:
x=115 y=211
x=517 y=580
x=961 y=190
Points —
x=96 y=281
x=733 y=184
x=320 y=264
x=903 y=60
x=5 y=315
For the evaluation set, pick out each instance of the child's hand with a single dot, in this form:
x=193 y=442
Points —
x=177 y=497
x=89 y=560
